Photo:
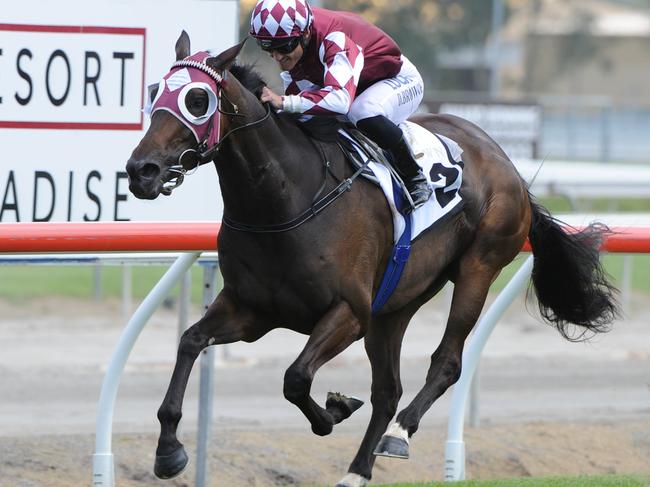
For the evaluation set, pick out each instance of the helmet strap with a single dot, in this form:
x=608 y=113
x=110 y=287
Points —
x=304 y=40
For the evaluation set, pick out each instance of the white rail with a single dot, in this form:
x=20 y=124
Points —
x=455 y=446
x=631 y=231
x=103 y=467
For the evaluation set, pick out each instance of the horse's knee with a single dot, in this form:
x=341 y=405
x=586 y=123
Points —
x=297 y=384
x=191 y=343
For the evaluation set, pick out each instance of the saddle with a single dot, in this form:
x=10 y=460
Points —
x=356 y=141
x=440 y=159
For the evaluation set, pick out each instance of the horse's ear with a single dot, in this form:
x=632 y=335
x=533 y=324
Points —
x=226 y=58
x=182 y=46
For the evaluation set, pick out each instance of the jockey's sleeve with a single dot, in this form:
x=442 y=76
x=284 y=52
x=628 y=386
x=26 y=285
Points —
x=342 y=60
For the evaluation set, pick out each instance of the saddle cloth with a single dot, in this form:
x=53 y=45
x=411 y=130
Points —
x=441 y=162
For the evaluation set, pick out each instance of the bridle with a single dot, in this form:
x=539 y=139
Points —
x=208 y=148
x=203 y=153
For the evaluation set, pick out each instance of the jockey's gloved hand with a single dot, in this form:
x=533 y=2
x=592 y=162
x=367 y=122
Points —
x=268 y=96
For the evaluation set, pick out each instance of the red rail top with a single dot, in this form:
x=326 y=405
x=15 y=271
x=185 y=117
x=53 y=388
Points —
x=184 y=236
x=623 y=240
x=108 y=237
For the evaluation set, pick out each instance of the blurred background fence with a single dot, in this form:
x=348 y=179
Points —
x=584 y=64
x=566 y=128
x=595 y=129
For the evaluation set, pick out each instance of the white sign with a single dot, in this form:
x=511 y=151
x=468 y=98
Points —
x=71 y=76
x=72 y=79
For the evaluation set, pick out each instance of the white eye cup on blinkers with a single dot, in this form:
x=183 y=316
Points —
x=212 y=103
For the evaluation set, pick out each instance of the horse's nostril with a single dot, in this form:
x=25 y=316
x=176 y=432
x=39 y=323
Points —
x=149 y=170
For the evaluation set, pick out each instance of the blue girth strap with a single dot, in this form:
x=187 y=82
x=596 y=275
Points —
x=398 y=258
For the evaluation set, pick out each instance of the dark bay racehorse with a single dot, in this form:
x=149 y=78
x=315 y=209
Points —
x=320 y=277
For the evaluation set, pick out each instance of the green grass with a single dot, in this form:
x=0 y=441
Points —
x=20 y=283
x=640 y=265
x=603 y=481
x=560 y=204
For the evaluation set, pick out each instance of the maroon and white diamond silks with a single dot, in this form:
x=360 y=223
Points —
x=277 y=19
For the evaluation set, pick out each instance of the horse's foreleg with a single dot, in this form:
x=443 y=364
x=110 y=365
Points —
x=383 y=344
x=333 y=333
x=222 y=323
x=470 y=292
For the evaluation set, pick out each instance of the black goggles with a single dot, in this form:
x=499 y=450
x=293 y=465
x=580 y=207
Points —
x=281 y=46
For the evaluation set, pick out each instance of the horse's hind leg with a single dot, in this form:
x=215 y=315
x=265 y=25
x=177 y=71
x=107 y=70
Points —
x=470 y=291
x=222 y=323
x=383 y=344
x=333 y=333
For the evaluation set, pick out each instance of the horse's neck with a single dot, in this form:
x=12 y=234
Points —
x=264 y=173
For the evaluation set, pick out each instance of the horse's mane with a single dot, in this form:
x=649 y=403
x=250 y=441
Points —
x=321 y=128
x=249 y=78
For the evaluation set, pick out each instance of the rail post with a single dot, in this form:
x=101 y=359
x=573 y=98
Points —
x=455 y=446
x=103 y=466
x=206 y=382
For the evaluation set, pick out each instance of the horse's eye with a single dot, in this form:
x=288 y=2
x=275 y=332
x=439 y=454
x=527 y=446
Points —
x=197 y=102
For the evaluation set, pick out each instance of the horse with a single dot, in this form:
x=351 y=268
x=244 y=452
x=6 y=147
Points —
x=286 y=263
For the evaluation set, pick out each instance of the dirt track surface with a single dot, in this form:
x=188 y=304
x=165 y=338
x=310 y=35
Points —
x=548 y=407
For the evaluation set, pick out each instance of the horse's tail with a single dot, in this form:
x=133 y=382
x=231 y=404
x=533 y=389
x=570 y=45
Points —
x=571 y=285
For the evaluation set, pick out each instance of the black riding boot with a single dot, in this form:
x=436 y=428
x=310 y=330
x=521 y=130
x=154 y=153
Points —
x=390 y=137
x=412 y=175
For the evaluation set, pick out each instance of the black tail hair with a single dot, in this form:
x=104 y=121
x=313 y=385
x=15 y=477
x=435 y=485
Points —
x=571 y=285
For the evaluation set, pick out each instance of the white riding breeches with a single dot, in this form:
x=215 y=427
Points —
x=395 y=98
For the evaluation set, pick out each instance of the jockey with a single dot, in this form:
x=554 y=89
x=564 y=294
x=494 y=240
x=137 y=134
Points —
x=336 y=63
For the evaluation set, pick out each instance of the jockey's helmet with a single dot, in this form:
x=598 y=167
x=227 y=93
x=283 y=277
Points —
x=274 y=23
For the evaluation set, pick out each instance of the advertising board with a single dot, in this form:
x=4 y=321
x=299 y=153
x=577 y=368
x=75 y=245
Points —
x=72 y=80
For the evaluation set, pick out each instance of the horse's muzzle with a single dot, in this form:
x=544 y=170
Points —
x=144 y=179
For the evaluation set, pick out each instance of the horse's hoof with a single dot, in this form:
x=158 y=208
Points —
x=343 y=405
x=352 y=480
x=392 y=446
x=322 y=429
x=172 y=465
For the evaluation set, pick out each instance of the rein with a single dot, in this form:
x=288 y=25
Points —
x=209 y=153
x=205 y=154
x=306 y=215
